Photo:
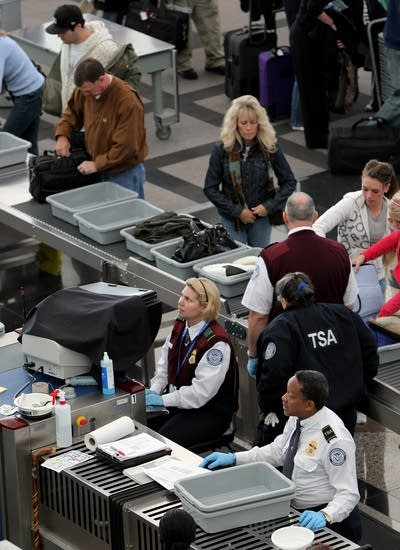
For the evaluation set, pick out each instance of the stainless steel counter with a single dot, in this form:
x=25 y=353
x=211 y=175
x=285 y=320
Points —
x=68 y=515
x=154 y=56
x=21 y=437
x=118 y=265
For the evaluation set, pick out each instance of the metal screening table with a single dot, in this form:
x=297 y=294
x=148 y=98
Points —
x=154 y=56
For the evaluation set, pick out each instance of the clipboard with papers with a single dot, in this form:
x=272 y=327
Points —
x=131 y=451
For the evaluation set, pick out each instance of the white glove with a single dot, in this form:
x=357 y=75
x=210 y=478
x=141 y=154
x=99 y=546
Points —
x=271 y=420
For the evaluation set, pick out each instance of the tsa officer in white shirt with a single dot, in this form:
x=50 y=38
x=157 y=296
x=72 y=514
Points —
x=321 y=462
x=196 y=375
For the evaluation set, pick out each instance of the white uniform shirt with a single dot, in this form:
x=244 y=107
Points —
x=324 y=466
x=208 y=376
x=259 y=293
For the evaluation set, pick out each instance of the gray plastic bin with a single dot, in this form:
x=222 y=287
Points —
x=64 y=205
x=143 y=249
x=236 y=496
x=231 y=286
x=13 y=149
x=104 y=224
x=163 y=255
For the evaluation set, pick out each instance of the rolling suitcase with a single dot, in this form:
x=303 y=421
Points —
x=276 y=75
x=242 y=48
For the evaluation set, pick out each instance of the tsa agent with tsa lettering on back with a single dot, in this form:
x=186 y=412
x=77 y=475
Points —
x=328 y=338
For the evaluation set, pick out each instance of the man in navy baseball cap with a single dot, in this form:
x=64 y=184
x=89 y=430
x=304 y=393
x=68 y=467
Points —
x=65 y=18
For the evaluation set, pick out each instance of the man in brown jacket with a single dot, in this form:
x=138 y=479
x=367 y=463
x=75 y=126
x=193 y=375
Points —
x=112 y=114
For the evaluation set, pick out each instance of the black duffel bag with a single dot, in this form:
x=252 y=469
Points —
x=164 y=22
x=350 y=148
x=50 y=174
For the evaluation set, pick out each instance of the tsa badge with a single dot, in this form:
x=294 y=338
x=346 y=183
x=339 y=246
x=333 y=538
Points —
x=192 y=358
x=311 y=448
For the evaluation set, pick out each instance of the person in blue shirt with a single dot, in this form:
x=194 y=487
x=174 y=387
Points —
x=25 y=85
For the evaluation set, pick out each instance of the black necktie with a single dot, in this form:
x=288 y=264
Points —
x=186 y=338
x=288 y=464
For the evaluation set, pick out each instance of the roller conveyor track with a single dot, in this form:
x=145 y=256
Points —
x=143 y=517
x=384 y=391
x=124 y=266
x=389 y=375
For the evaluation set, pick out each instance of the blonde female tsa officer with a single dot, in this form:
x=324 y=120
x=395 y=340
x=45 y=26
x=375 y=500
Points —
x=196 y=375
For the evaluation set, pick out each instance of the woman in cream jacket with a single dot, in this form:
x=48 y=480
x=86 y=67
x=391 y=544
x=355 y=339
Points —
x=361 y=217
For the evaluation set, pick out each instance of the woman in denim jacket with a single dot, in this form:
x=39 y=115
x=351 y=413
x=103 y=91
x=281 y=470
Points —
x=242 y=172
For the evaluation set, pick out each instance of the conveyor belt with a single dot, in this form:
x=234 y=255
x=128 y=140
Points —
x=43 y=213
x=390 y=375
x=384 y=391
x=91 y=496
x=115 y=261
x=144 y=515
x=127 y=268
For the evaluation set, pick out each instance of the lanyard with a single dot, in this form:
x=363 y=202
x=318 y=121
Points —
x=190 y=347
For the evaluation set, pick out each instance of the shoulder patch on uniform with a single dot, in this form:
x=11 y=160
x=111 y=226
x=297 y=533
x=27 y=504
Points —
x=329 y=434
x=337 y=456
x=208 y=333
x=270 y=351
x=214 y=357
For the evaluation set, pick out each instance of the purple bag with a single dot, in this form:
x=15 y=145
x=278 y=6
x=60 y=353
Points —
x=276 y=75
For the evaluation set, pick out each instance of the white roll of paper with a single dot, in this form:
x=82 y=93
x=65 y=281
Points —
x=112 y=431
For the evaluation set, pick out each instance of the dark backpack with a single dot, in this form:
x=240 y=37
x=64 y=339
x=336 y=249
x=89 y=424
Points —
x=50 y=174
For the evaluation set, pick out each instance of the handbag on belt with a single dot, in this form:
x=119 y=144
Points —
x=50 y=174
x=165 y=22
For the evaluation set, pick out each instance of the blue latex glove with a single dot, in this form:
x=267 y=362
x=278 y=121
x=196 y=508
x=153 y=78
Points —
x=152 y=398
x=312 y=520
x=252 y=363
x=218 y=460
x=149 y=392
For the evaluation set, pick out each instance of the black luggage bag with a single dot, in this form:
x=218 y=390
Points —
x=242 y=48
x=50 y=174
x=163 y=22
x=350 y=148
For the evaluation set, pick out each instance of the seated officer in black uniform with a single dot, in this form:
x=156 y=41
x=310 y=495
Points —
x=324 y=337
